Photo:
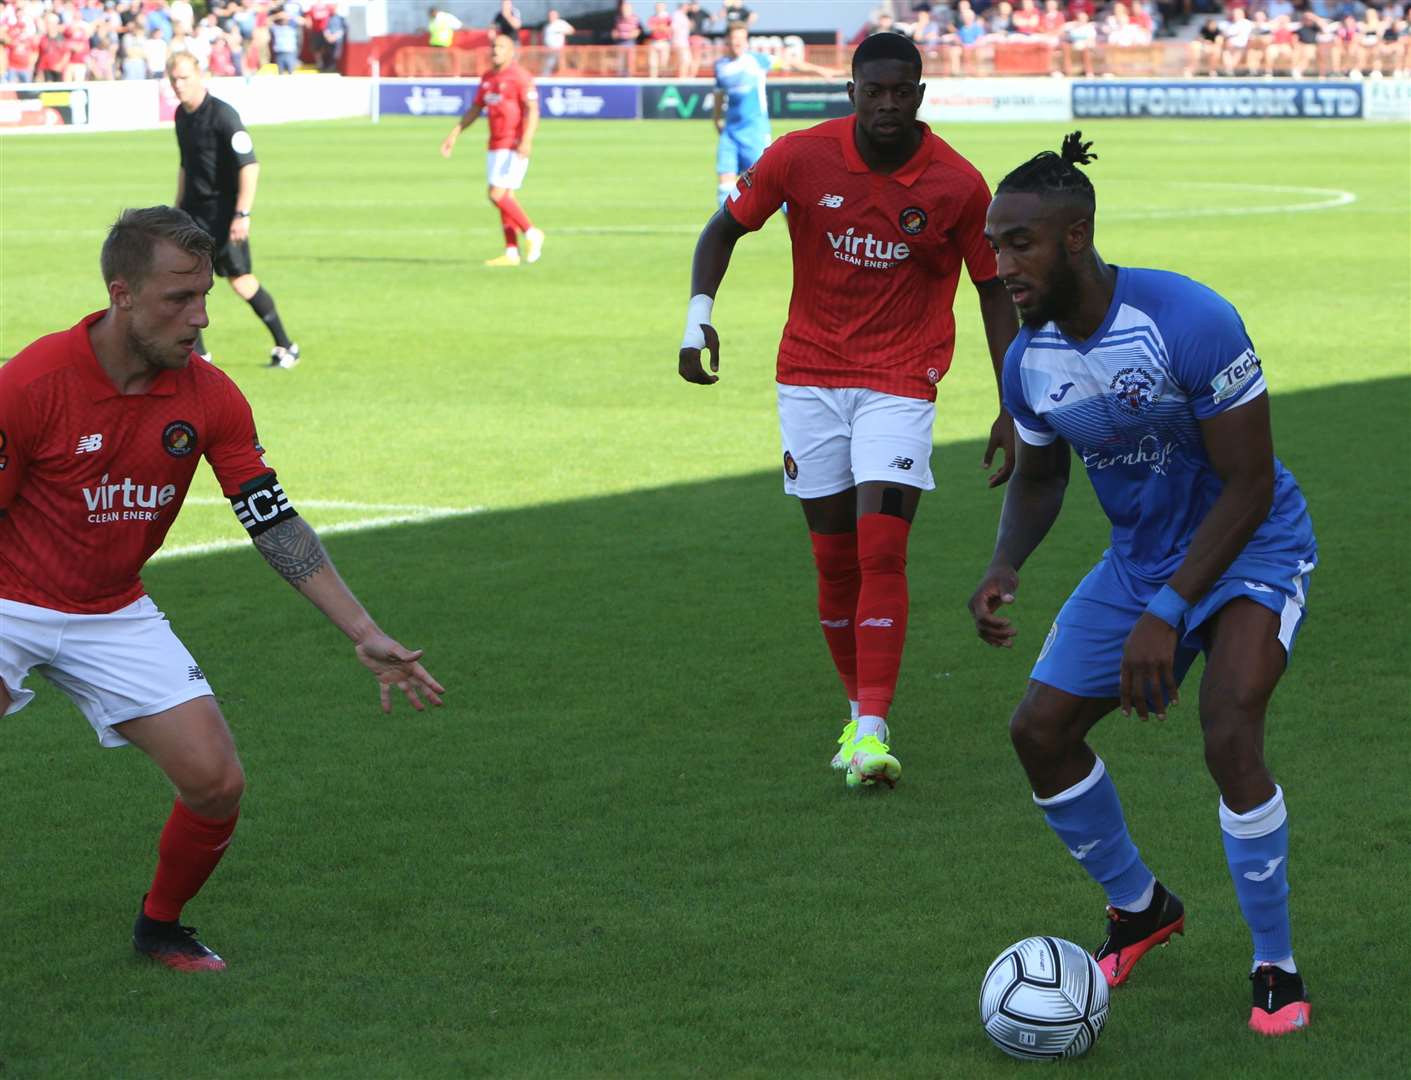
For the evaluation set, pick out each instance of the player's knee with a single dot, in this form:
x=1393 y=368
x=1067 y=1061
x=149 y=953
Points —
x=1233 y=747
x=217 y=792
x=495 y=194
x=1036 y=735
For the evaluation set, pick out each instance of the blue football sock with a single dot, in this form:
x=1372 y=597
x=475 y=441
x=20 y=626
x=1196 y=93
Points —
x=1088 y=819
x=1257 y=849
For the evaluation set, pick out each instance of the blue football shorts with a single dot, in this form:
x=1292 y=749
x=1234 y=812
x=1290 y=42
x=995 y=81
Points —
x=1082 y=654
x=738 y=150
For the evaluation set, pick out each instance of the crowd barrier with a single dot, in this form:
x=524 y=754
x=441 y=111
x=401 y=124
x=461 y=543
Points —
x=123 y=106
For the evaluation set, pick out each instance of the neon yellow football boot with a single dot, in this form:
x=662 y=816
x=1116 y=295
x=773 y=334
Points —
x=868 y=762
x=840 y=759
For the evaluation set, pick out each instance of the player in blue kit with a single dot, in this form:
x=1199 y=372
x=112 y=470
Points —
x=741 y=109
x=1153 y=382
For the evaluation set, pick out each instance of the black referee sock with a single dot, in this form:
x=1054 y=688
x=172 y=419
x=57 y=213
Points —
x=263 y=303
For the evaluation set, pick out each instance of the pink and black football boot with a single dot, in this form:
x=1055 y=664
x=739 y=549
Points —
x=1280 y=1001
x=1131 y=934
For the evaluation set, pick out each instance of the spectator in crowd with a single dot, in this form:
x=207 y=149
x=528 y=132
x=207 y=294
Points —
x=154 y=48
x=102 y=57
x=966 y=41
x=658 y=40
x=507 y=21
x=555 y=37
x=681 y=40
x=1080 y=45
x=78 y=37
x=1205 y=49
x=926 y=32
x=284 y=43
x=441 y=28
x=182 y=13
x=335 y=33
x=626 y=30
x=1052 y=20
x=1395 y=46
x=1001 y=21
x=1313 y=45
x=134 y=57
x=1121 y=32
x=1369 y=45
x=222 y=58
x=735 y=11
x=1027 y=19
x=53 y=51
x=1278 y=55
x=884 y=23
x=1235 y=32
x=1259 y=35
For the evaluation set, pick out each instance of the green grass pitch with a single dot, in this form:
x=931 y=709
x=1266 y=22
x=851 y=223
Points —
x=618 y=850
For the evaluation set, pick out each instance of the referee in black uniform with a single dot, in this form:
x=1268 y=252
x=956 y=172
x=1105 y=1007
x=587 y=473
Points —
x=216 y=185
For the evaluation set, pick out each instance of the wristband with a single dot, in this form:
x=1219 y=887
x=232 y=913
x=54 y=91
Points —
x=1169 y=606
x=697 y=312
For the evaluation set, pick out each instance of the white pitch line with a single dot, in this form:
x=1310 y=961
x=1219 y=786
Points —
x=362 y=525
x=338 y=504
x=1331 y=198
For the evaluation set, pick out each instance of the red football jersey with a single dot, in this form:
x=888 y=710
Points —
x=876 y=256
x=92 y=479
x=505 y=96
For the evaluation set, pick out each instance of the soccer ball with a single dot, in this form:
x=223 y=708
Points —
x=1043 y=998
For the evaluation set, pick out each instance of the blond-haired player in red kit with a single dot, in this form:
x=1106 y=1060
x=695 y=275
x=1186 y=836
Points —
x=881 y=214
x=101 y=428
x=507 y=95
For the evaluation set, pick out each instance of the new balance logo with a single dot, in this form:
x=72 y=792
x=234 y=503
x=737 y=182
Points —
x=835 y=624
x=885 y=624
x=194 y=674
x=1269 y=868
x=1083 y=850
x=87 y=444
x=831 y=201
x=1062 y=392
x=904 y=463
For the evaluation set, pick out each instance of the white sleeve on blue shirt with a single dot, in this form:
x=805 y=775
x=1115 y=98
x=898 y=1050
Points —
x=1027 y=423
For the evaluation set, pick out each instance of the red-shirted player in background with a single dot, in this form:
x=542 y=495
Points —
x=507 y=94
x=101 y=428
x=881 y=215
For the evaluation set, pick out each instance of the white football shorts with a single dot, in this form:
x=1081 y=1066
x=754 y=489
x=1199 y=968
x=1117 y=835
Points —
x=837 y=438
x=505 y=169
x=116 y=666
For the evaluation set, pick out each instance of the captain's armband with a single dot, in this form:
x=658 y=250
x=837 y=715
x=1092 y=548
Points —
x=262 y=504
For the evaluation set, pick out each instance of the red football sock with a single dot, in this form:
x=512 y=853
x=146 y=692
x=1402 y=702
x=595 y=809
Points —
x=189 y=850
x=511 y=236
x=881 y=609
x=838 y=581
x=513 y=214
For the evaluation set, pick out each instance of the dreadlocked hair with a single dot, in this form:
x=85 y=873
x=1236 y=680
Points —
x=1056 y=174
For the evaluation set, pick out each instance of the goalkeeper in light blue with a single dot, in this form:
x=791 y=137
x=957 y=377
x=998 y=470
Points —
x=741 y=110
x=1151 y=381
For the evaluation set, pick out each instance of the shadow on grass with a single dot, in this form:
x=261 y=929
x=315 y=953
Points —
x=618 y=850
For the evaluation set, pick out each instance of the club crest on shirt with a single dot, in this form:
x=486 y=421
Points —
x=178 y=438
x=1134 y=389
x=913 y=220
x=791 y=467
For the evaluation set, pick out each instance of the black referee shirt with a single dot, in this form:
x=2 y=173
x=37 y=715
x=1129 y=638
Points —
x=214 y=147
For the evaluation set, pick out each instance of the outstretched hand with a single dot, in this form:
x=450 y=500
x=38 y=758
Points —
x=689 y=360
x=1148 y=668
x=997 y=589
x=397 y=666
x=1001 y=438
x=448 y=144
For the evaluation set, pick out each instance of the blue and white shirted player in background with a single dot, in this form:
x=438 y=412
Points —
x=741 y=108
x=1154 y=383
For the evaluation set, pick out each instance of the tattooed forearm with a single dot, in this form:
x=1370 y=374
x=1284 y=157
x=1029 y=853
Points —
x=293 y=549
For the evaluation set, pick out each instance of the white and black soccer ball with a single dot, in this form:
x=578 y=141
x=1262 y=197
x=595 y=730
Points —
x=1043 y=998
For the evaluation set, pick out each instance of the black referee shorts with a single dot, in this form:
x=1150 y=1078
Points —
x=231 y=260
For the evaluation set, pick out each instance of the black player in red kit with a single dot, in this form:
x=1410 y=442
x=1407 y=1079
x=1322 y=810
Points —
x=101 y=429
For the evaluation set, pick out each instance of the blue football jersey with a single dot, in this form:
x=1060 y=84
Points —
x=741 y=80
x=1170 y=353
